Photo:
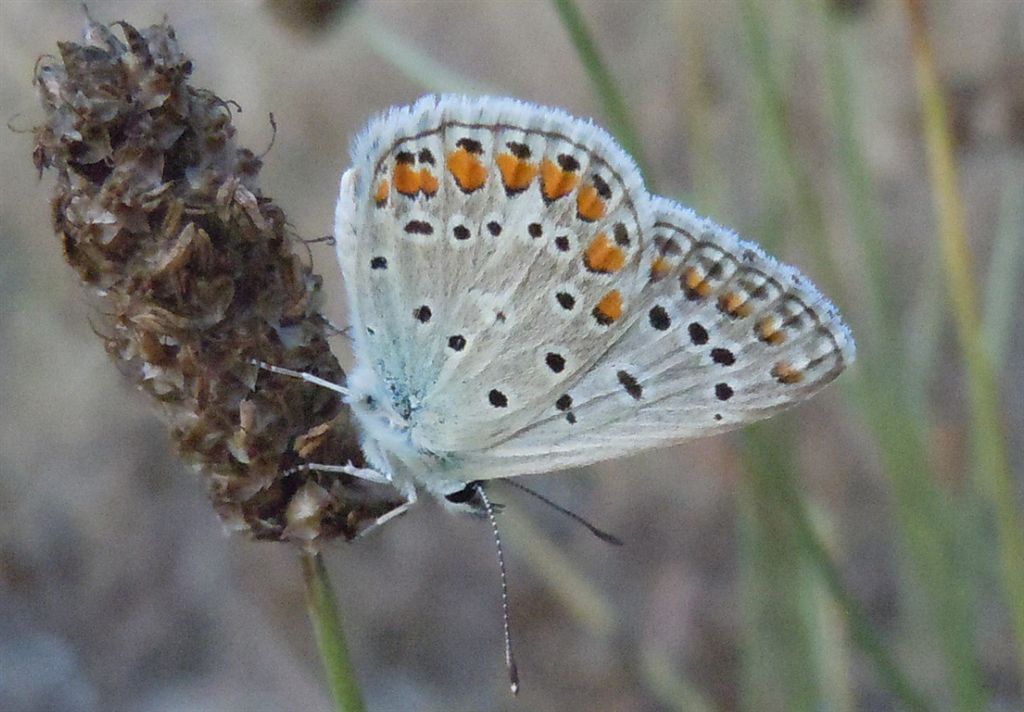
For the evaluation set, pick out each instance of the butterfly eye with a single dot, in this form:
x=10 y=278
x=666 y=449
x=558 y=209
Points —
x=370 y=401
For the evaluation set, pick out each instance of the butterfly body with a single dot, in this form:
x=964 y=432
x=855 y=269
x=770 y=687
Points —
x=519 y=303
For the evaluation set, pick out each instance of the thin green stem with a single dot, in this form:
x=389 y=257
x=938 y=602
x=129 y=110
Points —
x=413 y=63
x=1006 y=266
x=890 y=393
x=709 y=182
x=330 y=636
x=607 y=90
x=988 y=436
x=779 y=667
x=860 y=626
x=594 y=612
x=790 y=176
x=925 y=519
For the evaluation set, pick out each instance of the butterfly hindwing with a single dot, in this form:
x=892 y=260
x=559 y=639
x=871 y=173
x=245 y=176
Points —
x=723 y=335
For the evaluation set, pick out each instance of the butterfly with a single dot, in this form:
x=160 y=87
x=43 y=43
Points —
x=519 y=303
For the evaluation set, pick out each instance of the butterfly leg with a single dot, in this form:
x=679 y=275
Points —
x=370 y=475
x=389 y=515
x=302 y=375
x=364 y=473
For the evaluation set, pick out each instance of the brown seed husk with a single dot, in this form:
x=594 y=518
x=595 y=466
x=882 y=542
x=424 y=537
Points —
x=161 y=214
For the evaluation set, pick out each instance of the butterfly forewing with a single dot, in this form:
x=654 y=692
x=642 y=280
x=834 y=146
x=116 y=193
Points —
x=488 y=246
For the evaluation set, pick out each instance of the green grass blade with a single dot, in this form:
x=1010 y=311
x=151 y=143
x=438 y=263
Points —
x=417 y=66
x=668 y=687
x=995 y=479
x=861 y=630
x=780 y=670
x=710 y=187
x=592 y=610
x=897 y=416
x=561 y=575
x=1006 y=267
x=605 y=87
x=925 y=519
x=922 y=341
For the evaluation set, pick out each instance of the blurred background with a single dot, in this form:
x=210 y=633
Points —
x=858 y=553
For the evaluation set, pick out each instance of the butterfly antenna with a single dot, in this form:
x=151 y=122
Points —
x=510 y=661
x=599 y=533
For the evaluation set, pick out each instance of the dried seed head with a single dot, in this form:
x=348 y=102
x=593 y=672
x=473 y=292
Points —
x=162 y=216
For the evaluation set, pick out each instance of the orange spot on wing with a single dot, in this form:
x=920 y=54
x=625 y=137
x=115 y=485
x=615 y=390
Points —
x=768 y=331
x=659 y=268
x=609 y=308
x=589 y=205
x=602 y=255
x=694 y=284
x=381 y=196
x=406 y=179
x=556 y=183
x=516 y=173
x=784 y=373
x=467 y=170
x=734 y=305
x=428 y=182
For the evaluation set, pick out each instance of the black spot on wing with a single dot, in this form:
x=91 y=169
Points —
x=457 y=342
x=659 y=318
x=419 y=227
x=698 y=334
x=556 y=362
x=422 y=314
x=725 y=357
x=630 y=384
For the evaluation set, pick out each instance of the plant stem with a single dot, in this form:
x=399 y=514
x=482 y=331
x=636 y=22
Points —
x=604 y=84
x=330 y=637
x=861 y=629
x=924 y=518
x=987 y=423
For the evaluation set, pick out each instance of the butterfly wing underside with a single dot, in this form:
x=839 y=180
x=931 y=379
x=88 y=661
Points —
x=722 y=336
x=530 y=307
